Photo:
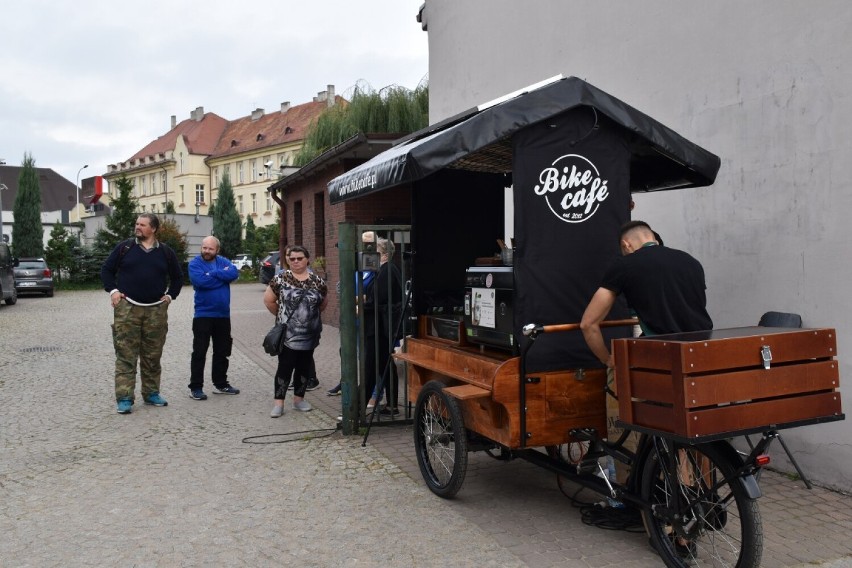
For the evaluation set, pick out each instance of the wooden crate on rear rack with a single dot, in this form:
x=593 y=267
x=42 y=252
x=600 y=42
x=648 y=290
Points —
x=721 y=383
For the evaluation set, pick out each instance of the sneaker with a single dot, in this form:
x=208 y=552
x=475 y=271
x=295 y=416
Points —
x=124 y=406
x=227 y=389
x=302 y=405
x=155 y=399
x=197 y=394
x=291 y=387
x=277 y=411
x=313 y=384
x=386 y=411
x=334 y=392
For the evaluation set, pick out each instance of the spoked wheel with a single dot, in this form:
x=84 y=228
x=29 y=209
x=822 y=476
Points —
x=722 y=527
x=440 y=440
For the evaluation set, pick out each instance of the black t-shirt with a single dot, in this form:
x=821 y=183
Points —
x=664 y=286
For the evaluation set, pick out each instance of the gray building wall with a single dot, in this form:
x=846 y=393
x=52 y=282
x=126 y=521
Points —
x=764 y=84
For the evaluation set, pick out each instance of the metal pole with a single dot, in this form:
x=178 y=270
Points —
x=2 y=187
x=346 y=234
x=77 y=184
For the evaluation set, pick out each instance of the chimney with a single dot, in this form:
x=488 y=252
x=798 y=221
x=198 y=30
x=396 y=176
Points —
x=285 y=106
x=330 y=96
x=321 y=97
x=256 y=114
x=198 y=114
x=174 y=121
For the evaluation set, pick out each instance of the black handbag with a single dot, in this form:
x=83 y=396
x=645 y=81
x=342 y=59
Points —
x=273 y=343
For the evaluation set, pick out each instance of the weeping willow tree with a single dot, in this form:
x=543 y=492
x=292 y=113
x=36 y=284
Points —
x=393 y=109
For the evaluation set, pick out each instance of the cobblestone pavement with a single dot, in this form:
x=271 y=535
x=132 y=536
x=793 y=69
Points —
x=184 y=486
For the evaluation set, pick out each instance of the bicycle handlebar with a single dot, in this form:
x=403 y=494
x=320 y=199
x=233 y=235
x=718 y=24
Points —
x=532 y=329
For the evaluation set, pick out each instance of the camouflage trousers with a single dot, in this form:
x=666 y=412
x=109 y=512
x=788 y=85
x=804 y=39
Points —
x=138 y=334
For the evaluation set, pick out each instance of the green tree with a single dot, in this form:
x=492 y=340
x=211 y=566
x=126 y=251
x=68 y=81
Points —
x=170 y=207
x=121 y=222
x=27 y=234
x=392 y=109
x=59 y=251
x=169 y=233
x=226 y=220
x=211 y=209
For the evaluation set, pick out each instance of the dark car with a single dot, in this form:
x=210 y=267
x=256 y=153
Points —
x=269 y=267
x=33 y=275
x=7 y=275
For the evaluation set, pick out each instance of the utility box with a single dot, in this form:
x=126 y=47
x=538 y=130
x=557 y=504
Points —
x=717 y=384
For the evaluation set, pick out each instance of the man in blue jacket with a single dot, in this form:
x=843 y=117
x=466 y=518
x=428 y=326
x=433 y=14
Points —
x=211 y=276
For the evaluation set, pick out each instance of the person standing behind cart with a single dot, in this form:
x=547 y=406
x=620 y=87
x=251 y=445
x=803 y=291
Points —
x=296 y=297
x=665 y=287
x=383 y=295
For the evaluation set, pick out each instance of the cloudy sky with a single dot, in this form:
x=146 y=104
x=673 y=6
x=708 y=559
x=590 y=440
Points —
x=93 y=81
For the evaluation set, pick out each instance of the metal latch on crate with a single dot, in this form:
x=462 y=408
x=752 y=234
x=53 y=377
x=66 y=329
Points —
x=766 y=355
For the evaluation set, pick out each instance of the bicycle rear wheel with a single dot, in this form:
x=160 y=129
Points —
x=722 y=525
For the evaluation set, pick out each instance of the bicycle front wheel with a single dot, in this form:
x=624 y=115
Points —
x=719 y=525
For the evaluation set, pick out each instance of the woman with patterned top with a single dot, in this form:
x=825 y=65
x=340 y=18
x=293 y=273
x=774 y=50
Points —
x=296 y=297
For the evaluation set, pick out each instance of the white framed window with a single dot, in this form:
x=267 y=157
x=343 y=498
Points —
x=182 y=194
x=143 y=188
x=254 y=203
x=165 y=180
x=216 y=176
x=181 y=162
x=153 y=184
x=240 y=204
x=268 y=202
x=199 y=193
x=240 y=172
x=254 y=169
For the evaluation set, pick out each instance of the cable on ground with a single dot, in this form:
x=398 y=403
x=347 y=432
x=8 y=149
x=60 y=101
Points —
x=319 y=433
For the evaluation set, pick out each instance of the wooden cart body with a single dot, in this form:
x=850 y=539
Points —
x=487 y=384
x=715 y=384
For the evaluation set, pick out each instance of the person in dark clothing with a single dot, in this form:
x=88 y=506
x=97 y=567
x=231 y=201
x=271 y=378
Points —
x=383 y=297
x=664 y=286
x=211 y=276
x=142 y=276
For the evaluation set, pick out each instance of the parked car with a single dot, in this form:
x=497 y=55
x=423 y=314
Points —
x=33 y=275
x=7 y=275
x=269 y=267
x=241 y=261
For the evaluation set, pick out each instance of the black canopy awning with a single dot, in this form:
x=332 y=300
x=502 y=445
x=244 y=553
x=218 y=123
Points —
x=480 y=140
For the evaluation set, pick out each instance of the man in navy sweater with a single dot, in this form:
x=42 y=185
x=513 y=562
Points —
x=142 y=276
x=211 y=276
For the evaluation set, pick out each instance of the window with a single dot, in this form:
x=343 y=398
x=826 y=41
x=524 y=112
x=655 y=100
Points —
x=319 y=224
x=297 y=223
x=240 y=172
x=240 y=204
x=199 y=193
x=153 y=184
x=216 y=176
x=182 y=194
x=254 y=169
x=254 y=203
x=181 y=162
x=268 y=202
x=142 y=187
x=164 y=179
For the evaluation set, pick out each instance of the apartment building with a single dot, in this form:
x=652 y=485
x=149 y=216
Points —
x=184 y=166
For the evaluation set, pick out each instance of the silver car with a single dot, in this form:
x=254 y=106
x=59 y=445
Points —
x=33 y=275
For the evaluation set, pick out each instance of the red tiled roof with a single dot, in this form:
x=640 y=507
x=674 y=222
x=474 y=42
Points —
x=275 y=128
x=201 y=136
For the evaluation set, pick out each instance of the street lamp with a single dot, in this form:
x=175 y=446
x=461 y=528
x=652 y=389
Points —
x=78 y=190
x=197 y=207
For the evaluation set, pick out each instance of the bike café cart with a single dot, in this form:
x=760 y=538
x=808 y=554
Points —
x=494 y=366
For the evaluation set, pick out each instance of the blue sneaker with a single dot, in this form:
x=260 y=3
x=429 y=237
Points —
x=227 y=389
x=155 y=399
x=197 y=394
x=124 y=406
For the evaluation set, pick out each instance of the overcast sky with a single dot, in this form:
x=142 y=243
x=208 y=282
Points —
x=93 y=81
